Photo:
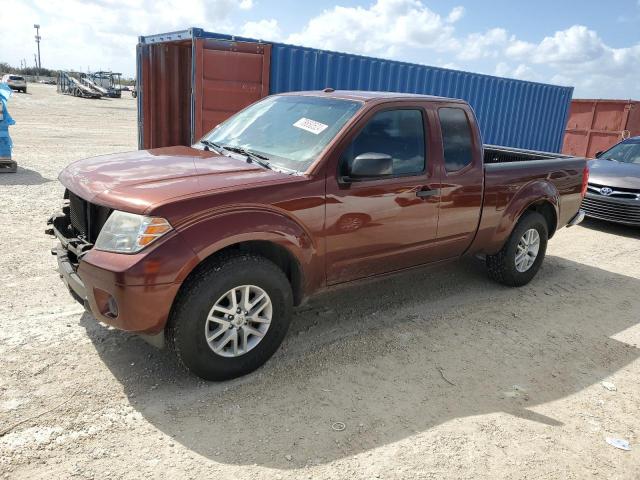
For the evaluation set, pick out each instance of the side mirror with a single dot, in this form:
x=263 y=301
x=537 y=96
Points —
x=370 y=165
x=599 y=154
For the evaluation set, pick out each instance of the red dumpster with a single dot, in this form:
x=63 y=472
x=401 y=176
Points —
x=596 y=125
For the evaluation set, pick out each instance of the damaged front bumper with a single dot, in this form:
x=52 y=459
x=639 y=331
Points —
x=68 y=253
x=140 y=309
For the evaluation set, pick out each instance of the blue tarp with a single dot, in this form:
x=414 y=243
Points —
x=5 y=121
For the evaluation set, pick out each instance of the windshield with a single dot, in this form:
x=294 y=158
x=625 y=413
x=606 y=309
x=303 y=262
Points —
x=287 y=131
x=15 y=77
x=626 y=152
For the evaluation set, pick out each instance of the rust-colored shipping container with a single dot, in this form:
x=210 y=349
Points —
x=187 y=85
x=596 y=125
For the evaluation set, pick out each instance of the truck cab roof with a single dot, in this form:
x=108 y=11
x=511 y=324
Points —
x=366 y=96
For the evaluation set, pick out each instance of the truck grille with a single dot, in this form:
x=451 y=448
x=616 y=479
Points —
x=611 y=209
x=86 y=219
x=78 y=214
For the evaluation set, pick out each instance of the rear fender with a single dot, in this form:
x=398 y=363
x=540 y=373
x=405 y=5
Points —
x=514 y=207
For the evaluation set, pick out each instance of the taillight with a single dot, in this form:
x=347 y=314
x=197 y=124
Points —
x=585 y=180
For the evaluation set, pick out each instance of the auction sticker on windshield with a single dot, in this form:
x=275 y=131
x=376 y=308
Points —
x=310 y=125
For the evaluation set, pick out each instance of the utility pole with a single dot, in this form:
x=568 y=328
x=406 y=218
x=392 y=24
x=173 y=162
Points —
x=39 y=63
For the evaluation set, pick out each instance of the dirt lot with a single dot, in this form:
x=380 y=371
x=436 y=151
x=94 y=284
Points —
x=435 y=374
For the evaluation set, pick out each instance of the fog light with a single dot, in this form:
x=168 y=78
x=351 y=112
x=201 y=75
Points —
x=112 y=307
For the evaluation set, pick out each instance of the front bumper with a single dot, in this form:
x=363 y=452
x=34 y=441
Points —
x=134 y=293
x=618 y=210
x=142 y=309
x=69 y=276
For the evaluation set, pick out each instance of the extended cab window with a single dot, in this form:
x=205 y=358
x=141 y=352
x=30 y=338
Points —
x=397 y=133
x=456 y=138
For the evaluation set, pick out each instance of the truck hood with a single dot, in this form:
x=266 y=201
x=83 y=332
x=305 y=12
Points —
x=136 y=181
x=614 y=174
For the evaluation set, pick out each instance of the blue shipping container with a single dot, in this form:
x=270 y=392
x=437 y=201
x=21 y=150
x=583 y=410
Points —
x=510 y=112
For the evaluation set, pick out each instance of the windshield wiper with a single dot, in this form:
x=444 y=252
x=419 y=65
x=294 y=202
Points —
x=251 y=156
x=212 y=145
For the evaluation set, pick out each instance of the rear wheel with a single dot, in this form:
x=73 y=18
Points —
x=521 y=256
x=231 y=316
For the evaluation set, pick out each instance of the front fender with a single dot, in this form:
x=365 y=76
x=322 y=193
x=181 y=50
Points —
x=207 y=235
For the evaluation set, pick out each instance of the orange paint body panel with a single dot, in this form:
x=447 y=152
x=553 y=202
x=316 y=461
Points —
x=597 y=125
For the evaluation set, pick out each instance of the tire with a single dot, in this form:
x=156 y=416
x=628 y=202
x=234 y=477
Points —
x=502 y=268
x=188 y=324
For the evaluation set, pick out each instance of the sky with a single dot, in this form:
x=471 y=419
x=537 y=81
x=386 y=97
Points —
x=591 y=45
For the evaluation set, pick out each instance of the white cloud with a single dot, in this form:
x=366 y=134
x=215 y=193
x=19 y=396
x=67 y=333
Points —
x=103 y=34
x=262 y=30
x=578 y=56
x=518 y=48
x=384 y=28
x=482 y=45
x=457 y=13
x=502 y=69
x=577 y=44
x=520 y=72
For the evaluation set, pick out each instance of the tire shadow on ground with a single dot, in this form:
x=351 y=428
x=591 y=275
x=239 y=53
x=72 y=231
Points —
x=390 y=359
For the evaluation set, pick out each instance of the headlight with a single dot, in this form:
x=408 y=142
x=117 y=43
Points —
x=129 y=233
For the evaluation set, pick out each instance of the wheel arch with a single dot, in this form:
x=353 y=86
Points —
x=282 y=257
x=548 y=211
x=539 y=196
x=279 y=239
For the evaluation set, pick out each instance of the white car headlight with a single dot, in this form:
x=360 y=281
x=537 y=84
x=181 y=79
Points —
x=129 y=233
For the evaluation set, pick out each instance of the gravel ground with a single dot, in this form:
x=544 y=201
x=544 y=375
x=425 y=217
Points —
x=435 y=374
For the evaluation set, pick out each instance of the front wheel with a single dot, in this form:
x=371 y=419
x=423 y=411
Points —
x=520 y=258
x=231 y=316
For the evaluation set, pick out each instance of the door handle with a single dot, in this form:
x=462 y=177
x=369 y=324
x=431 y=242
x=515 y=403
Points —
x=427 y=193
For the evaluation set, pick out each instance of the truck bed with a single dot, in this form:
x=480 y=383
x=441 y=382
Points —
x=497 y=154
x=508 y=172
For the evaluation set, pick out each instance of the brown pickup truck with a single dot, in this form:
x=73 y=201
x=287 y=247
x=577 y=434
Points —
x=210 y=246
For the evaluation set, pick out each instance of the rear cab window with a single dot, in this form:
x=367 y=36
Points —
x=456 y=138
x=398 y=133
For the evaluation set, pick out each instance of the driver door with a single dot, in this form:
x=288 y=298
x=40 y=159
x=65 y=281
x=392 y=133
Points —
x=378 y=225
